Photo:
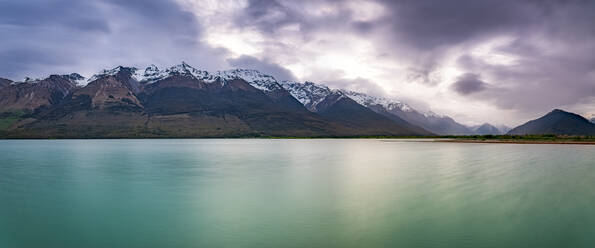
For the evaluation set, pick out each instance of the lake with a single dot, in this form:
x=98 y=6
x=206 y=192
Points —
x=294 y=193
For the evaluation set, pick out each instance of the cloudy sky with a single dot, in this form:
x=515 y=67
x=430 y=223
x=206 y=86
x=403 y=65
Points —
x=500 y=61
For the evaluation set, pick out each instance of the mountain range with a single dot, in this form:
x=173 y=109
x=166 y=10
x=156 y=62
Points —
x=182 y=101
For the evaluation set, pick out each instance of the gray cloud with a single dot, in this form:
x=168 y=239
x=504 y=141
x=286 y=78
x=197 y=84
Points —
x=269 y=16
x=270 y=68
x=61 y=36
x=468 y=83
x=433 y=24
x=78 y=15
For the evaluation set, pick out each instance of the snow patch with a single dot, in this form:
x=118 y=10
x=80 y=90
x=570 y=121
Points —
x=76 y=78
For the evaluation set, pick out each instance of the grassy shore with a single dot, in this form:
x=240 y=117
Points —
x=513 y=139
x=521 y=139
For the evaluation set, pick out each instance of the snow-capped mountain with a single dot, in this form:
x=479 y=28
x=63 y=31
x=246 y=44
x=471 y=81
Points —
x=337 y=106
x=429 y=120
x=367 y=100
x=75 y=78
x=153 y=74
x=310 y=94
x=255 y=78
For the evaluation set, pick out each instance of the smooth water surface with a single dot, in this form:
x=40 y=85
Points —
x=294 y=193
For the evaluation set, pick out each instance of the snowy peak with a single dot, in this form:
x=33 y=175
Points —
x=311 y=94
x=308 y=93
x=151 y=71
x=111 y=72
x=253 y=77
x=368 y=101
x=75 y=78
x=187 y=70
x=150 y=74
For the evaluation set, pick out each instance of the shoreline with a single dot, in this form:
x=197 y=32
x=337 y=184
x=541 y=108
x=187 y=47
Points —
x=382 y=138
x=562 y=142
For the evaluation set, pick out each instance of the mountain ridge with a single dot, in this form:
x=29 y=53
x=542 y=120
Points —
x=37 y=95
x=182 y=101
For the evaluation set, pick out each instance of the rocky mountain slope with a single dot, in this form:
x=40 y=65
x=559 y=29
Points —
x=4 y=82
x=337 y=106
x=557 y=122
x=32 y=94
x=438 y=124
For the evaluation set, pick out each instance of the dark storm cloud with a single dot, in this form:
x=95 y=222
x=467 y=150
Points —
x=431 y=24
x=160 y=16
x=60 y=36
x=271 y=15
x=468 y=83
x=81 y=15
x=421 y=24
x=269 y=68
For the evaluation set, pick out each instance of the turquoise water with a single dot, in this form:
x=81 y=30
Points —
x=294 y=193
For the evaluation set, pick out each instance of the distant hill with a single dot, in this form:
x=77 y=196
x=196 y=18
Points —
x=557 y=122
x=486 y=129
x=504 y=129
